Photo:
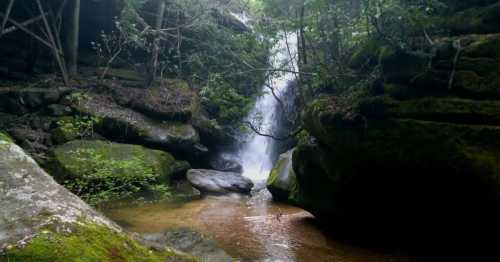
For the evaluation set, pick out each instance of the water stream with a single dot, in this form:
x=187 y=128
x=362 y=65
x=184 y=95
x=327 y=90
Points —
x=251 y=228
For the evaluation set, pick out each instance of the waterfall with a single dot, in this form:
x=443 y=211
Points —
x=255 y=153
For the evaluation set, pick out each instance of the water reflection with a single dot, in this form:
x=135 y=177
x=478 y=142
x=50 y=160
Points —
x=249 y=229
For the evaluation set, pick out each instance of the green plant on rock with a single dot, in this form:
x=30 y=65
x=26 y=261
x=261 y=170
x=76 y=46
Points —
x=224 y=101
x=79 y=126
x=107 y=179
x=78 y=97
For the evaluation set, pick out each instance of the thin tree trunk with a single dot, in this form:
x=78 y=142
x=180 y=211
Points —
x=72 y=36
x=55 y=49
x=302 y=36
x=156 y=45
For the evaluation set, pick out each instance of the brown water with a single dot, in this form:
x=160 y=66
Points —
x=249 y=229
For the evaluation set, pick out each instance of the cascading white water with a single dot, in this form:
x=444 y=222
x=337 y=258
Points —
x=255 y=153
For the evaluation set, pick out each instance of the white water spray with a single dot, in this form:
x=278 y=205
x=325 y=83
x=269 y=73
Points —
x=255 y=153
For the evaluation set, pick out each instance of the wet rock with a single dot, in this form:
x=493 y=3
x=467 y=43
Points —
x=282 y=178
x=225 y=164
x=217 y=182
x=187 y=241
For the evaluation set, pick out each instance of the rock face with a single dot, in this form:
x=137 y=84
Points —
x=222 y=163
x=417 y=155
x=281 y=181
x=23 y=100
x=95 y=164
x=187 y=241
x=120 y=122
x=172 y=101
x=216 y=182
x=42 y=221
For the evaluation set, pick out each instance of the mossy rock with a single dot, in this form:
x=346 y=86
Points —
x=101 y=171
x=171 y=99
x=42 y=221
x=5 y=137
x=386 y=172
x=87 y=242
x=281 y=180
x=63 y=134
x=453 y=110
x=119 y=122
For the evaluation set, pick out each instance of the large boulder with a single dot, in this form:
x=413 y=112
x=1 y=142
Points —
x=373 y=173
x=100 y=171
x=42 y=221
x=281 y=180
x=117 y=122
x=218 y=183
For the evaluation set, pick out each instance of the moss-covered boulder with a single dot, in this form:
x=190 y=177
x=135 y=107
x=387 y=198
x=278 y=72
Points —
x=382 y=173
x=281 y=180
x=117 y=122
x=42 y=221
x=100 y=171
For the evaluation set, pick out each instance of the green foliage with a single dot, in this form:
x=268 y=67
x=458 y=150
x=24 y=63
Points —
x=106 y=179
x=331 y=31
x=79 y=126
x=210 y=42
x=224 y=102
x=77 y=97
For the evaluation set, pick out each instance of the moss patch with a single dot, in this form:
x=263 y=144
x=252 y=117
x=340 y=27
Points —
x=455 y=110
x=5 y=137
x=100 y=171
x=87 y=242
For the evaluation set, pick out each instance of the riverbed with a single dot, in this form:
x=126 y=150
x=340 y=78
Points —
x=247 y=228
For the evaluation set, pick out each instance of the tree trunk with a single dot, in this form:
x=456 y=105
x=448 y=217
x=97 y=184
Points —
x=72 y=36
x=156 y=45
x=302 y=36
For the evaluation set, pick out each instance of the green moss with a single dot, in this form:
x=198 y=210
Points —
x=100 y=171
x=86 y=243
x=275 y=172
x=5 y=137
x=282 y=177
x=456 y=110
